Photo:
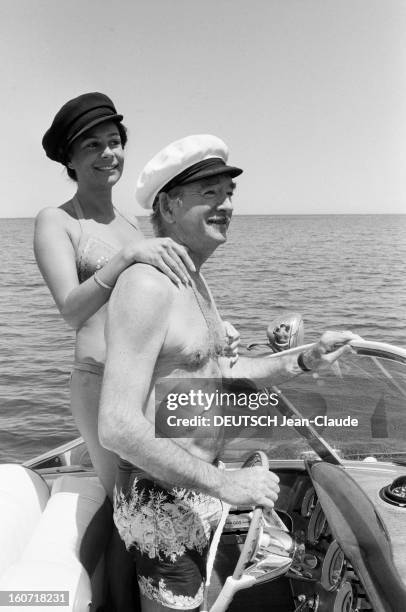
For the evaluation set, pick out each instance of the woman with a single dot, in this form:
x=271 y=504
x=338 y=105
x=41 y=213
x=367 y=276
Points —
x=82 y=247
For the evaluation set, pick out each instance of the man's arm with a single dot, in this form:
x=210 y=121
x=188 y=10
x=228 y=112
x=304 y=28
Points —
x=275 y=369
x=138 y=318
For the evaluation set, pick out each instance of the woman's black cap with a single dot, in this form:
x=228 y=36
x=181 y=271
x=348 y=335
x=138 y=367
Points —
x=74 y=118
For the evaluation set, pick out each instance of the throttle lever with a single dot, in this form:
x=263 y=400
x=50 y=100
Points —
x=301 y=606
x=306 y=604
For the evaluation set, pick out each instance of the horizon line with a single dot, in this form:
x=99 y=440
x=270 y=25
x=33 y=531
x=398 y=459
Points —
x=347 y=214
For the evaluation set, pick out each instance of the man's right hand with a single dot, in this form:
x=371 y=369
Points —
x=255 y=486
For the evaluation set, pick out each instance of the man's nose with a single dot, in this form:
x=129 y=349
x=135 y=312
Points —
x=226 y=205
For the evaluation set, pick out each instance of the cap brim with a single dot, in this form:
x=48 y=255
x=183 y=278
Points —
x=116 y=118
x=232 y=171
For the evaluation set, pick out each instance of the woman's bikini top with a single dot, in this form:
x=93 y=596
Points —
x=92 y=252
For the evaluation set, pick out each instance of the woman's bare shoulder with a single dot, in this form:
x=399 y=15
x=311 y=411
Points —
x=57 y=215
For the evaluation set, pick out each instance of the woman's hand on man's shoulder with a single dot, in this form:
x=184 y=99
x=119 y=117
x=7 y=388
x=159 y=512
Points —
x=164 y=254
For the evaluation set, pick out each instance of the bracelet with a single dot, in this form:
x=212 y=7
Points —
x=102 y=284
x=301 y=364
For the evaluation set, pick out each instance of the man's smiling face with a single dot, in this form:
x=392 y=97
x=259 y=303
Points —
x=203 y=213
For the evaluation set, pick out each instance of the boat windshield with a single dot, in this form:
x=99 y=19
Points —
x=357 y=407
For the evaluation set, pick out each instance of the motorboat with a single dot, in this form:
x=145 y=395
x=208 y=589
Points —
x=335 y=542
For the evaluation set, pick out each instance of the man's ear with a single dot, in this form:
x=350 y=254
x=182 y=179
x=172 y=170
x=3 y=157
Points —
x=166 y=207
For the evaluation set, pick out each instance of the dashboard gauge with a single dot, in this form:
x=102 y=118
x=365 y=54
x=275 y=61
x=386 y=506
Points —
x=332 y=570
x=395 y=493
x=308 y=503
x=317 y=524
x=344 y=599
x=398 y=487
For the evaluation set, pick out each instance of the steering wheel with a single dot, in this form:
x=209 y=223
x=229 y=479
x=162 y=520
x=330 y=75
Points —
x=255 y=530
x=267 y=552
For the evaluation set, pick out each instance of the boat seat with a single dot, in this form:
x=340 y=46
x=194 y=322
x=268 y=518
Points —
x=65 y=551
x=23 y=497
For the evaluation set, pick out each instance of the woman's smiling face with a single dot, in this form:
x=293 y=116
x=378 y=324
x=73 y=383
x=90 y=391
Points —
x=97 y=157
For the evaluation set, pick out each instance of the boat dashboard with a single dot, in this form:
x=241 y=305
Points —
x=349 y=523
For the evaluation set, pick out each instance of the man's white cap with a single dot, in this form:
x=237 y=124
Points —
x=183 y=161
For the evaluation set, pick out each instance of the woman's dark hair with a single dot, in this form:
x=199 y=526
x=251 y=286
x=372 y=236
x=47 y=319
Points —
x=122 y=130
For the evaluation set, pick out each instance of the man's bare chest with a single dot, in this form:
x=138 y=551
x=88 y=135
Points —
x=195 y=337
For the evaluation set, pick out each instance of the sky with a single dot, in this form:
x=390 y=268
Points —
x=309 y=95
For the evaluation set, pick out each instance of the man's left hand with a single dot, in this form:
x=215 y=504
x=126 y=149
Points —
x=330 y=347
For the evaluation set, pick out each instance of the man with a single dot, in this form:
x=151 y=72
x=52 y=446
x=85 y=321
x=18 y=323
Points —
x=164 y=507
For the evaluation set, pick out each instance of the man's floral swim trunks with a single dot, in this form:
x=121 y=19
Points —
x=168 y=531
